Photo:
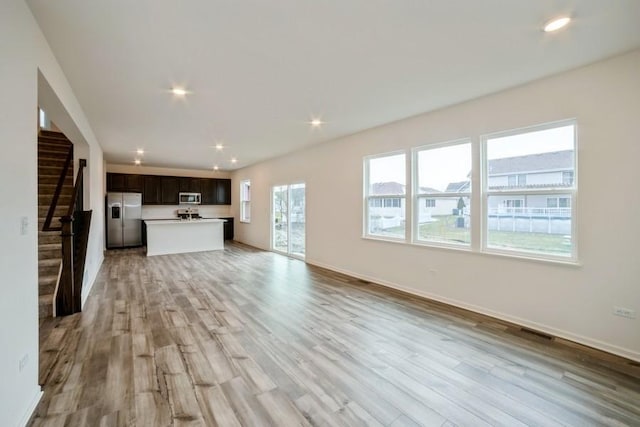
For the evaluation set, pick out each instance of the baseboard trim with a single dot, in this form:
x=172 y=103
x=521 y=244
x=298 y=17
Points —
x=86 y=288
x=559 y=333
x=31 y=408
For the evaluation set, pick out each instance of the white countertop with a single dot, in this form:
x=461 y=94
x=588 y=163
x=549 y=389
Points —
x=182 y=221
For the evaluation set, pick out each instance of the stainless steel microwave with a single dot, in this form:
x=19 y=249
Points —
x=190 y=198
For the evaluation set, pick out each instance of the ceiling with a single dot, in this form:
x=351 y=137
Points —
x=259 y=71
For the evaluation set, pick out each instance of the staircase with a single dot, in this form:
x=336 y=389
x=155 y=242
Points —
x=53 y=148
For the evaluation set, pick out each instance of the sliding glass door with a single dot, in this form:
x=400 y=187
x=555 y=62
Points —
x=288 y=219
x=280 y=218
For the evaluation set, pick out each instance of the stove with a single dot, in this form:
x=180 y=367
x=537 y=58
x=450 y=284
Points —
x=189 y=213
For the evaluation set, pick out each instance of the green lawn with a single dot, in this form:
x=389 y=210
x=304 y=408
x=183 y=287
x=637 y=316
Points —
x=445 y=230
x=534 y=242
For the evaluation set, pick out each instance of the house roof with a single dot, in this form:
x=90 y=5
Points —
x=456 y=187
x=384 y=188
x=428 y=190
x=556 y=160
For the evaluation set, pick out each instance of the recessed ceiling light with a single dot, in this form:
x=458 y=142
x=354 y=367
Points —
x=219 y=146
x=234 y=160
x=137 y=162
x=179 y=91
x=316 y=123
x=215 y=167
x=140 y=151
x=556 y=24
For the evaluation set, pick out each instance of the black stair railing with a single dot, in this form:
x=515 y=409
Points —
x=75 y=238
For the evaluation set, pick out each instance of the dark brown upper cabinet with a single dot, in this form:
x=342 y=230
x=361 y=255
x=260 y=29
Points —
x=170 y=187
x=190 y=185
x=133 y=183
x=151 y=194
x=164 y=190
x=124 y=182
x=209 y=191
x=195 y=185
x=223 y=192
x=184 y=183
x=115 y=182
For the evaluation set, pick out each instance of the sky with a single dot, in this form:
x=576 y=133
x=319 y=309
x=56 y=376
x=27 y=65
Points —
x=440 y=166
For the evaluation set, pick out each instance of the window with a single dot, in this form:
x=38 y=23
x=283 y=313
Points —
x=385 y=189
x=43 y=120
x=443 y=179
x=558 y=202
x=523 y=184
x=535 y=218
x=245 y=201
x=391 y=203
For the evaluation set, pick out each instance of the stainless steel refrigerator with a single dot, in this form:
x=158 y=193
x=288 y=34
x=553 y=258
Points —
x=124 y=220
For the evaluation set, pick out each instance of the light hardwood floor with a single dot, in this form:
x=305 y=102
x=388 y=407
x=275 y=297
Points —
x=246 y=337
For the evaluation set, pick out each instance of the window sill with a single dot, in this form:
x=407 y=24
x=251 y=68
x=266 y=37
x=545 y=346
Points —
x=569 y=262
x=384 y=239
x=525 y=256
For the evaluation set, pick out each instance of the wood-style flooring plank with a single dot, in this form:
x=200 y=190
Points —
x=243 y=337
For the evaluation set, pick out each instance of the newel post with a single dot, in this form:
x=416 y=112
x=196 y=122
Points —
x=65 y=301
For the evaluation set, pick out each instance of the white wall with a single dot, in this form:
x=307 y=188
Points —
x=23 y=50
x=570 y=301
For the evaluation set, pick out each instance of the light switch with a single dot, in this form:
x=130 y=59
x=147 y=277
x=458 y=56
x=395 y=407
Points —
x=24 y=225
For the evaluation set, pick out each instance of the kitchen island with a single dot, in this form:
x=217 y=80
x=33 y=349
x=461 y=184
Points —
x=175 y=236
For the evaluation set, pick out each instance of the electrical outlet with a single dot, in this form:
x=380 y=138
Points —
x=624 y=312
x=23 y=362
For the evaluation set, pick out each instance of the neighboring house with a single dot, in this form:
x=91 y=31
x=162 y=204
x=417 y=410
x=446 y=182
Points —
x=535 y=171
x=430 y=207
x=528 y=212
x=543 y=213
x=387 y=206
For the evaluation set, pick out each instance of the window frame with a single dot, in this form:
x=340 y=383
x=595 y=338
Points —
x=417 y=194
x=243 y=209
x=559 y=191
x=366 y=196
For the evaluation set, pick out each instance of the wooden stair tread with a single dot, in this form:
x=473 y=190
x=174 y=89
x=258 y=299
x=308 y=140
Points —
x=48 y=279
x=50 y=246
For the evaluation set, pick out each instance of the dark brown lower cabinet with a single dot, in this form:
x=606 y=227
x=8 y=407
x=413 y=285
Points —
x=228 y=228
